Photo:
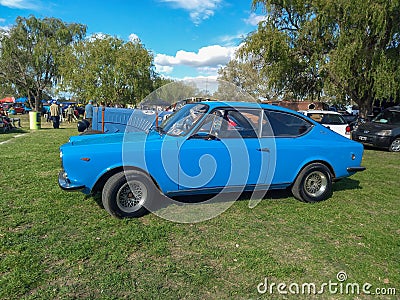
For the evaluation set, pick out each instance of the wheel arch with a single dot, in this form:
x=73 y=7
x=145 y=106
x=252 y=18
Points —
x=323 y=162
x=396 y=137
x=98 y=186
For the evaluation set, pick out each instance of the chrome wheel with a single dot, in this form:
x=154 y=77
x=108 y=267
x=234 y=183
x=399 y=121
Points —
x=395 y=146
x=315 y=184
x=131 y=196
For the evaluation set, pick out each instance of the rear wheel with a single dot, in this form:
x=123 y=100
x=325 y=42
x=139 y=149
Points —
x=313 y=184
x=395 y=145
x=126 y=194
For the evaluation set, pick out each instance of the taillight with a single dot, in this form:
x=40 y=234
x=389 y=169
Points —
x=348 y=129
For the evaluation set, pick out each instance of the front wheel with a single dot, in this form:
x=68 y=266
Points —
x=395 y=145
x=313 y=184
x=126 y=194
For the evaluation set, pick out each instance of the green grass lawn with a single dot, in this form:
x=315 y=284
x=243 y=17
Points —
x=60 y=245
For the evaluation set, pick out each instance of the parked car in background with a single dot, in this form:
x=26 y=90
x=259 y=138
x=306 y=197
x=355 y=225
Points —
x=15 y=108
x=382 y=132
x=112 y=120
x=350 y=118
x=209 y=147
x=330 y=119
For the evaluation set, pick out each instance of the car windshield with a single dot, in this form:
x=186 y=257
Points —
x=390 y=117
x=183 y=120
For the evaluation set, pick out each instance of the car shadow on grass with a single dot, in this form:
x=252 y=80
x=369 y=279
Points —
x=346 y=184
x=162 y=202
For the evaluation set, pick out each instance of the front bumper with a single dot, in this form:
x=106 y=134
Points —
x=372 y=140
x=66 y=184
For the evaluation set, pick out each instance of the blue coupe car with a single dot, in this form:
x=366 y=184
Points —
x=209 y=147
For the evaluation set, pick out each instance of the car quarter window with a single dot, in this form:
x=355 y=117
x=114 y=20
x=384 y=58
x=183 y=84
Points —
x=282 y=124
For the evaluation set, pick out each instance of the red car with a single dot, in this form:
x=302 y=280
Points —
x=19 y=108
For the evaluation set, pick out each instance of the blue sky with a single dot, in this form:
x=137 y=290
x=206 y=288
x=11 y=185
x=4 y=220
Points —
x=188 y=38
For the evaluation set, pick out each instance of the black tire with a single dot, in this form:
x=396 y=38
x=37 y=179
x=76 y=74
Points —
x=120 y=201
x=313 y=183
x=395 y=145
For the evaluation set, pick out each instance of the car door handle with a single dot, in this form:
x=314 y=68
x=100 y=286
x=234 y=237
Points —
x=263 y=149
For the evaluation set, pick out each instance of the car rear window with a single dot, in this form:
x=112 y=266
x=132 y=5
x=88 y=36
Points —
x=323 y=118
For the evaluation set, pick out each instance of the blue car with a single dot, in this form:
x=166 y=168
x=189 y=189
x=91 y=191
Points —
x=114 y=120
x=209 y=147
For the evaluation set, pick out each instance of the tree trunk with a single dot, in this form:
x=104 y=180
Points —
x=365 y=106
x=38 y=98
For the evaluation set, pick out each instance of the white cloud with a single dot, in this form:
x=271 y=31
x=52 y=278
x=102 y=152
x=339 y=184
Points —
x=210 y=56
x=199 y=10
x=2 y=20
x=197 y=78
x=134 y=37
x=96 y=36
x=164 y=69
x=21 y=4
x=232 y=39
x=254 y=19
x=208 y=70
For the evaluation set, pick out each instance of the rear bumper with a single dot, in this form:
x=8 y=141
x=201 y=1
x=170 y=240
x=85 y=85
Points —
x=66 y=184
x=355 y=169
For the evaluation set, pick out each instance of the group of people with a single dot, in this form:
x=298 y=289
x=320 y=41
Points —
x=55 y=113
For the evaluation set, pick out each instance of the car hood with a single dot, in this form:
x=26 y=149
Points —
x=372 y=127
x=113 y=138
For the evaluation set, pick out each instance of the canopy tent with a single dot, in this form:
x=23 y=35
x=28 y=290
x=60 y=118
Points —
x=21 y=100
x=7 y=99
x=48 y=101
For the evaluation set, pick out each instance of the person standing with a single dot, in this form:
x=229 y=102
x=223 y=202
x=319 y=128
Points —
x=88 y=115
x=55 y=114
x=70 y=113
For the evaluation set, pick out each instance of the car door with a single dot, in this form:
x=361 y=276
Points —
x=291 y=148
x=224 y=152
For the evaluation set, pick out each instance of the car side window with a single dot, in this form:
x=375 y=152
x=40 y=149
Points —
x=232 y=123
x=282 y=124
x=244 y=122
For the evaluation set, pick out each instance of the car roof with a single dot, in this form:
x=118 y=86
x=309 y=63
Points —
x=316 y=111
x=244 y=104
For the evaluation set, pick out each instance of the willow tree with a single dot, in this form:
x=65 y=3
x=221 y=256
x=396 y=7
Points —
x=246 y=76
x=30 y=53
x=348 y=49
x=106 y=68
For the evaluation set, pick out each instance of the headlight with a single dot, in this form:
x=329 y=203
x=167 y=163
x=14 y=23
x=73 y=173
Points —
x=385 y=132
